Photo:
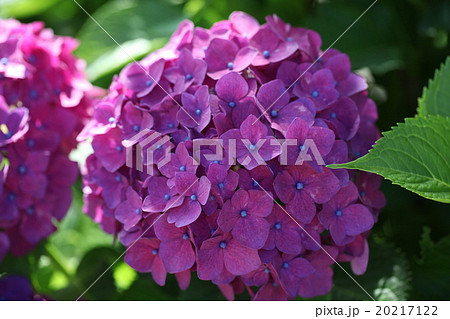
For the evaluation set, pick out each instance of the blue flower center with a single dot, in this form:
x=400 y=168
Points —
x=8 y=134
x=221 y=185
x=138 y=211
x=194 y=197
x=119 y=148
x=274 y=113
x=230 y=65
x=198 y=111
x=185 y=236
x=285 y=265
x=231 y=104
x=183 y=168
x=33 y=94
x=31 y=143
x=155 y=251
x=290 y=39
x=30 y=210
x=362 y=193
x=243 y=213
x=4 y=61
x=266 y=270
x=266 y=54
x=338 y=212
x=136 y=128
x=11 y=197
x=32 y=58
x=23 y=169
x=277 y=226
x=333 y=115
x=111 y=119
x=189 y=77
x=118 y=178
x=315 y=93
x=212 y=197
x=167 y=197
x=170 y=125
x=299 y=185
x=222 y=244
x=301 y=147
x=255 y=183
x=148 y=83
x=252 y=147
x=216 y=161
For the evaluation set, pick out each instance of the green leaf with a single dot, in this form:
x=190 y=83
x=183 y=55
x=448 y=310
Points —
x=387 y=277
x=431 y=273
x=92 y=267
x=138 y=26
x=414 y=155
x=435 y=98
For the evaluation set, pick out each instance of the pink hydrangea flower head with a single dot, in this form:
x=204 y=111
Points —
x=44 y=103
x=202 y=138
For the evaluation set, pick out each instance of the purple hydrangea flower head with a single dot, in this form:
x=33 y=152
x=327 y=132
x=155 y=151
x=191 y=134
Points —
x=209 y=158
x=45 y=101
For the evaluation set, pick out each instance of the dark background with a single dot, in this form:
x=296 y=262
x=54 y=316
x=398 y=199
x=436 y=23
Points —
x=397 y=45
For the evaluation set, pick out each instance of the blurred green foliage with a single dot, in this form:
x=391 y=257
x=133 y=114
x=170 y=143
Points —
x=399 y=44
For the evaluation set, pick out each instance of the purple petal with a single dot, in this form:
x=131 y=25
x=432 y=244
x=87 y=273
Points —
x=240 y=260
x=251 y=231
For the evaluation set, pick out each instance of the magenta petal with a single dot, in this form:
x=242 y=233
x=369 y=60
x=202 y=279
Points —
x=337 y=231
x=159 y=272
x=128 y=214
x=185 y=214
x=244 y=58
x=34 y=185
x=259 y=203
x=356 y=219
x=228 y=217
x=302 y=207
x=232 y=87
x=139 y=256
x=251 y=231
x=321 y=187
x=288 y=241
x=359 y=264
x=240 y=260
x=183 y=279
x=177 y=255
x=301 y=267
x=210 y=259
x=204 y=186
x=284 y=186
x=272 y=95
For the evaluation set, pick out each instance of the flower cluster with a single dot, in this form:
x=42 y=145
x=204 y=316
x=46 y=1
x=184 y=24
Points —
x=43 y=101
x=17 y=288
x=252 y=88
